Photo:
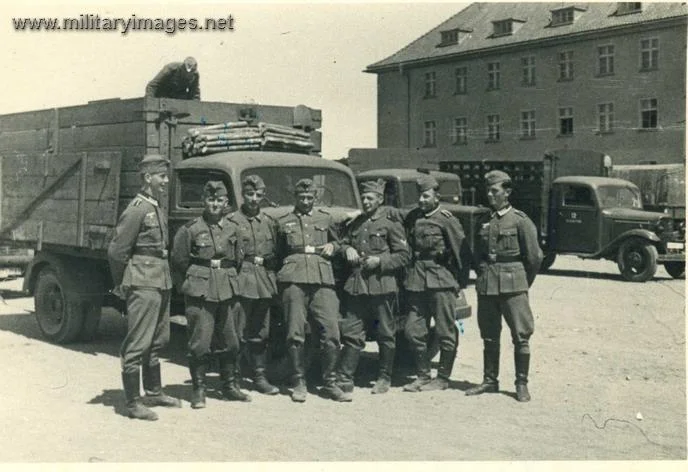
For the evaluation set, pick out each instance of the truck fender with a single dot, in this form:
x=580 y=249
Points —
x=634 y=233
x=75 y=272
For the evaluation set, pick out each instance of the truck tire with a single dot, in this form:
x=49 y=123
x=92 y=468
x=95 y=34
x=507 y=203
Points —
x=548 y=261
x=637 y=260
x=676 y=269
x=59 y=313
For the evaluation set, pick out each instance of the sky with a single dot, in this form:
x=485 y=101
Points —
x=278 y=53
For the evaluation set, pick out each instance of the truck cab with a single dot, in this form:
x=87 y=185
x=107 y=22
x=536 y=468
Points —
x=600 y=217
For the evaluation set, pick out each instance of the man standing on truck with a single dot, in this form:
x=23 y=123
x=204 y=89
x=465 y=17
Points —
x=138 y=262
x=176 y=80
x=508 y=258
x=306 y=240
x=432 y=283
x=375 y=247
x=256 y=232
x=206 y=252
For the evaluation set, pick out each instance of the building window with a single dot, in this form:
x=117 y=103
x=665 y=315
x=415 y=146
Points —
x=461 y=75
x=649 y=53
x=528 y=124
x=429 y=134
x=449 y=37
x=493 y=126
x=566 y=121
x=502 y=28
x=460 y=131
x=562 y=17
x=493 y=75
x=605 y=60
x=605 y=117
x=648 y=113
x=566 y=65
x=528 y=66
x=430 y=85
x=625 y=8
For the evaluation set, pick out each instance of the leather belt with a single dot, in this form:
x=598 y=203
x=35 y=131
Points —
x=260 y=260
x=212 y=263
x=145 y=251
x=303 y=250
x=498 y=258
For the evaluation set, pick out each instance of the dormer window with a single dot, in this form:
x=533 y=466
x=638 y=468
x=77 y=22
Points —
x=566 y=16
x=626 y=8
x=506 y=27
x=452 y=36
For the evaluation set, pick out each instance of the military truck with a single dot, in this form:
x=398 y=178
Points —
x=580 y=212
x=68 y=173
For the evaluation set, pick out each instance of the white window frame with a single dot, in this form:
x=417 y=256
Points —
x=651 y=52
x=430 y=133
x=461 y=80
x=565 y=61
x=605 y=117
x=528 y=71
x=493 y=127
x=565 y=113
x=493 y=75
x=527 y=124
x=565 y=16
x=460 y=130
x=647 y=106
x=605 y=55
x=430 y=88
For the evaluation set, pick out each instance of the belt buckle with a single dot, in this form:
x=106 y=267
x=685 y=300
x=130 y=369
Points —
x=258 y=260
x=309 y=249
x=164 y=253
x=215 y=263
x=492 y=257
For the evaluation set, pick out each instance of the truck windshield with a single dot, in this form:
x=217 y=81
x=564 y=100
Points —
x=612 y=196
x=335 y=188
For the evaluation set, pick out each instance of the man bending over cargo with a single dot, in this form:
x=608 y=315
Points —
x=176 y=80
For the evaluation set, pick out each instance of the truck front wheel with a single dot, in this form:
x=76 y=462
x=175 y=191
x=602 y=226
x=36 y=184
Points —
x=58 y=313
x=676 y=269
x=637 y=260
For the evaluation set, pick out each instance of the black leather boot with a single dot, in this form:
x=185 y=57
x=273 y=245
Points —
x=441 y=382
x=330 y=356
x=198 y=368
x=522 y=364
x=297 y=360
x=135 y=409
x=258 y=362
x=152 y=385
x=228 y=378
x=423 y=368
x=490 y=370
x=348 y=363
x=384 y=378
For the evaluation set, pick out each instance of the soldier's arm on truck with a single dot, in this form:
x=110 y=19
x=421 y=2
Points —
x=195 y=89
x=457 y=245
x=152 y=87
x=399 y=254
x=530 y=249
x=122 y=243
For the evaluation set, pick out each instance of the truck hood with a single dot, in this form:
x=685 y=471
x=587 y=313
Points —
x=630 y=214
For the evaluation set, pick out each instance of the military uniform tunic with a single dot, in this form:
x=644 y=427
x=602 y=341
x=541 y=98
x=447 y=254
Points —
x=306 y=276
x=257 y=279
x=434 y=276
x=373 y=293
x=208 y=255
x=137 y=256
x=508 y=258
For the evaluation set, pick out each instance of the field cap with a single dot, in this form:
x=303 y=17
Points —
x=153 y=164
x=304 y=186
x=496 y=176
x=253 y=181
x=374 y=186
x=426 y=182
x=214 y=188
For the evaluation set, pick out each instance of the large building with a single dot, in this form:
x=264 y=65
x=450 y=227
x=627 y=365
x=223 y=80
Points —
x=511 y=80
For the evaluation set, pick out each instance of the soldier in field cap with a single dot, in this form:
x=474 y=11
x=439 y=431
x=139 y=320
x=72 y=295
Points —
x=306 y=240
x=138 y=262
x=256 y=232
x=507 y=257
x=176 y=80
x=374 y=245
x=205 y=255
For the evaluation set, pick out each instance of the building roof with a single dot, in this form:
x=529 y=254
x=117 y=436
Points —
x=403 y=174
x=476 y=20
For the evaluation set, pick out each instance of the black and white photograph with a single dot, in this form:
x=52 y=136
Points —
x=343 y=234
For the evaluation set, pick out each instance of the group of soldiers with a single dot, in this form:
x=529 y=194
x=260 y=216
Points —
x=231 y=267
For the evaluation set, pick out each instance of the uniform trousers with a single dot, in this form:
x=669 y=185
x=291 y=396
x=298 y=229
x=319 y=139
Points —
x=360 y=310
x=254 y=319
x=516 y=311
x=422 y=306
x=311 y=302
x=148 y=327
x=211 y=326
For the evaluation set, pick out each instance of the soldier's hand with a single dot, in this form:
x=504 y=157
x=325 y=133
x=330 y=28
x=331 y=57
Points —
x=327 y=250
x=352 y=256
x=371 y=262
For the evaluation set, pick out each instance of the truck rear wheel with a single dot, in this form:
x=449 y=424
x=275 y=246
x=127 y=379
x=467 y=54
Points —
x=637 y=260
x=676 y=269
x=59 y=314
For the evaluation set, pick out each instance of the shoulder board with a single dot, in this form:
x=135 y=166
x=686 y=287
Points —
x=269 y=217
x=190 y=223
x=285 y=215
x=322 y=210
x=446 y=213
x=520 y=213
x=136 y=202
